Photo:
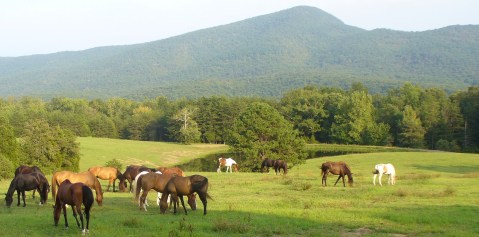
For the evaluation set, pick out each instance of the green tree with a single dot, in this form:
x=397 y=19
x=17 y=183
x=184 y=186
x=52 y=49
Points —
x=412 y=132
x=8 y=149
x=262 y=132
x=186 y=128
x=50 y=148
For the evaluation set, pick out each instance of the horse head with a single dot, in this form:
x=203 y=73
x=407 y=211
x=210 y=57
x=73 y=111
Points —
x=192 y=201
x=8 y=199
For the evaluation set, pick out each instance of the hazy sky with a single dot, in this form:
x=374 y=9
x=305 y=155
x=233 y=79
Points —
x=47 y=26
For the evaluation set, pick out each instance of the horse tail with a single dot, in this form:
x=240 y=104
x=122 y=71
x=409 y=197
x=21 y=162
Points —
x=87 y=195
x=54 y=186
x=136 y=188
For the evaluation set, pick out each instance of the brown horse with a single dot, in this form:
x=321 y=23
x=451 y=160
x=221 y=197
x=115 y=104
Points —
x=131 y=172
x=84 y=177
x=74 y=195
x=25 y=169
x=27 y=182
x=179 y=186
x=172 y=170
x=110 y=174
x=337 y=168
x=276 y=164
x=158 y=183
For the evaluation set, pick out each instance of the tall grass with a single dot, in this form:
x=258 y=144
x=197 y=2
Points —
x=435 y=195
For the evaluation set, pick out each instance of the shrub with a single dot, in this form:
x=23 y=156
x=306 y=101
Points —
x=115 y=164
x=6 y=168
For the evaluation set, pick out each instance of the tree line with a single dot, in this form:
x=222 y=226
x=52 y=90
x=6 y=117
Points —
x=35 y=131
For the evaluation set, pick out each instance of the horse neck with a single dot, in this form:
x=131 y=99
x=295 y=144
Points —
x=12 y=187
x=97 y=187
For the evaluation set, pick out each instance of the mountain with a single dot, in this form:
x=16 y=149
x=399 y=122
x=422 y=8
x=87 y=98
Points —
x=263 y=56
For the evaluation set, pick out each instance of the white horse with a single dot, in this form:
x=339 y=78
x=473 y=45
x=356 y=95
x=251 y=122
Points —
x=385 y=169
x=228 y=162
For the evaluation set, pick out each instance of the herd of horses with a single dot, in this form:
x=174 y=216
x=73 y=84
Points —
x=75 y=189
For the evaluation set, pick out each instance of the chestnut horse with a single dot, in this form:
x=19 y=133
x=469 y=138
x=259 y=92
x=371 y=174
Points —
x=172 y=170
x=131 y=172
x=110 y=174
x=179 y=186
x=27 y=182
x=384 y=169
x=74 y=195
x=85 y=177
x=25 y=169
x=158 y=183
x=337 y=168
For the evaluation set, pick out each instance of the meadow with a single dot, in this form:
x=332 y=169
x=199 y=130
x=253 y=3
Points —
x=436 y=194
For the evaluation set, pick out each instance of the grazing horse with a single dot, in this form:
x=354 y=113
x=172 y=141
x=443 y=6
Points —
x=267 y=163
x=179 y=186
x=85 y=177
x=25 y=169
x=158 y=183
x=280 y=164
x=110 y=174
x=27 y=182
x=337 y=168
x=172 y=170
x=229 y=163
x=384 y=169
x=74 y=195
x=131 y=172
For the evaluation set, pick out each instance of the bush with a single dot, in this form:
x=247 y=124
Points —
x=6 y=168
x=115 y=164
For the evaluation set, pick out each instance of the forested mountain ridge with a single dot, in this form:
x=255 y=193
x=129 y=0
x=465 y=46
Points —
x=264 y=56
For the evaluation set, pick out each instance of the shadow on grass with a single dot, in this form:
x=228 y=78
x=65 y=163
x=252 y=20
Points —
x=458 y=169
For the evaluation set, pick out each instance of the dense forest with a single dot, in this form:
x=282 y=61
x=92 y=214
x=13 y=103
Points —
x=407 y=116
x=264 y=56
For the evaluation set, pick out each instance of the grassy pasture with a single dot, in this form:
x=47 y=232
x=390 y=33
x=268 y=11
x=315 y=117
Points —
x=436 y=195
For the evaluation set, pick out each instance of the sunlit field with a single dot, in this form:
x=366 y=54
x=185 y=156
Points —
x=436 y=194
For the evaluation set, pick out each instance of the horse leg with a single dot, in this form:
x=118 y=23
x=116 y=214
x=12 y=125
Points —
x=33 y=193
x=183 y=204
x=324 y=179
x=114 y=185
x=23 y=198
x=204 y=201
x=380 y=178
x=74 y=210
x=338 y=180
x=64 y=208
x=374 y=179
x=142 y=200
x=108 y=187
x=87 y=216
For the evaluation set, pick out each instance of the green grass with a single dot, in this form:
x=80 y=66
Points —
x=436 y=195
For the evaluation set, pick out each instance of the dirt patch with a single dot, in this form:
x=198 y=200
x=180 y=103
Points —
x=356 y=232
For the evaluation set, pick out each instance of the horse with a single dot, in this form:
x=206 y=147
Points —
x=25 y=169
x=280 y=164
x=135 y=186
x=179 y=186
x=172 y=170
x=84 y=177
x=109 y=173
x=337 y=168
x=74 y=195
x=229 y=163
x=27 y=182
x=131 y=172
x=267 y=163
x=384 y=169
x=158 y=183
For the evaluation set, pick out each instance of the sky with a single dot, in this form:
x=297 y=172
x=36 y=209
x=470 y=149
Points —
x=47 y=26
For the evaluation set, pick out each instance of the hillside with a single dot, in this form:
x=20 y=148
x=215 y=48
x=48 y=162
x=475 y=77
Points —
x=263 y=56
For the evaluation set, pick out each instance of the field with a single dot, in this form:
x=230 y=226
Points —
x=436 y=195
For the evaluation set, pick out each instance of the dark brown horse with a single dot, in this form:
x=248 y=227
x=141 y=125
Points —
x=85 y=177
x=158 y=183
x=111 y=174
x=179 y=186
x=131 y=172
x=74 y=195
x=25 y=169
x=336 y=168
x=276 y=164
x=27 y=182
